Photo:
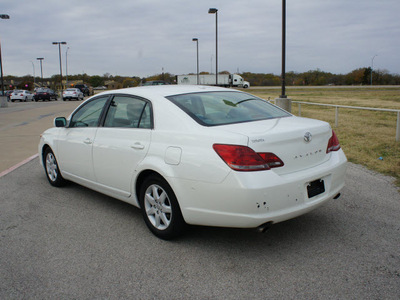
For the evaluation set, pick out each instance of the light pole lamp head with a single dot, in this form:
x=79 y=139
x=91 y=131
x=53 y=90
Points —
x=212 y=10
x=40 y=58
x=195 y=39
x=5 y=17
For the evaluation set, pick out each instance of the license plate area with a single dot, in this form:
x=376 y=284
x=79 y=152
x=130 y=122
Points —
x=315 y=188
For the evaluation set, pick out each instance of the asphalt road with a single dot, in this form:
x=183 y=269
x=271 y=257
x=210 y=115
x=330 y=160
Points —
x=22 y=123
x=73 y=243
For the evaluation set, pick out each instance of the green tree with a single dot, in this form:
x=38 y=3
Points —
x=96 y=81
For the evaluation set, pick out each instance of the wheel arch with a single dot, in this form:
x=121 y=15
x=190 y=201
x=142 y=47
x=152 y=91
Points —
x=141 y=178
x=42 y=152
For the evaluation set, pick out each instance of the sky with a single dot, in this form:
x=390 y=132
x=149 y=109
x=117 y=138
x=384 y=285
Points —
x=147 y=37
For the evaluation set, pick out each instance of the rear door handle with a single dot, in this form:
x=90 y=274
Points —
x=138 y=146
x=87 y=141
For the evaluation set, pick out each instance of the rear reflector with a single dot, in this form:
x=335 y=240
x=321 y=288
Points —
x=243 y=158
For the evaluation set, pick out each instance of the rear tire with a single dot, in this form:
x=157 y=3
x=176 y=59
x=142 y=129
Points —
x=160 y=208
x=52 y=170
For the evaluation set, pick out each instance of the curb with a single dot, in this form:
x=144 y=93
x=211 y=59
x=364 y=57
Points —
x=9 y=170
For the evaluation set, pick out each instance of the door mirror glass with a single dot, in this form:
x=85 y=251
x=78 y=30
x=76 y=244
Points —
x=60 y=122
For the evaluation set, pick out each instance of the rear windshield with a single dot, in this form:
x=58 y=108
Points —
x=221 y=108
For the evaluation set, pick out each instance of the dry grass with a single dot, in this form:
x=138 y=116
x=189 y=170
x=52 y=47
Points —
x=367 y=137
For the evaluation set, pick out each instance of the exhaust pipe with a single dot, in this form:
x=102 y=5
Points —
x=337 y=196
x=264 y=227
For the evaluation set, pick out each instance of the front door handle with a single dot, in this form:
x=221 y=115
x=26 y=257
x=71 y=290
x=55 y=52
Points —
x=138 y=146
x=87 y=141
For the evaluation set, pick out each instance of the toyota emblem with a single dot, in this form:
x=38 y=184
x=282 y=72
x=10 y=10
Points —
x=307 y=137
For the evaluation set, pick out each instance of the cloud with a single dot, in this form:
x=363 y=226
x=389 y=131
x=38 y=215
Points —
x=140 y=38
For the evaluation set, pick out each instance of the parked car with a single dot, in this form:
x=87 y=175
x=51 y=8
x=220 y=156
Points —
x=72 y=93
x=45 y=94
x=196 y=155
x=8 y=94
x=21 y=95
x=83 y=88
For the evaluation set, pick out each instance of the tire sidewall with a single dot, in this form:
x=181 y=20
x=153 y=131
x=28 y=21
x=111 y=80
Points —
x=59 y=181
x=177 y=223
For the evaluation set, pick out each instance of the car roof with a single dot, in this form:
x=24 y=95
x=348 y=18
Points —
x=168 y=90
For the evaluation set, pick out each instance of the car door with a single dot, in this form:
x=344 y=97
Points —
x=122 y=143
x=75 y=143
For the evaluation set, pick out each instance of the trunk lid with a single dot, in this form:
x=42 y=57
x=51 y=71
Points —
x=299 y=142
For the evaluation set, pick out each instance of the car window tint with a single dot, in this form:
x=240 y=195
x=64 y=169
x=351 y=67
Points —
x=128 y=112
x=220 y=108
x=89 y=114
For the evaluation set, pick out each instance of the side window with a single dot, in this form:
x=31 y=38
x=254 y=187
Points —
x=89 y=114
x=128 y=112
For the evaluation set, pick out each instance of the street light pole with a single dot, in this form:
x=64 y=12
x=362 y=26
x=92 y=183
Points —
x=59 y=54
x=372 y=65
x=3 y=97
x=66 y=67
x=197 y=46
x=41 y=69
x=34 y=75
x=283 y=95
x=283 y=101
x=215 y=11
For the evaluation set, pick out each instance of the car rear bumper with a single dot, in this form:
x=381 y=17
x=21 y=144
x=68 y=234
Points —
x=248 y=200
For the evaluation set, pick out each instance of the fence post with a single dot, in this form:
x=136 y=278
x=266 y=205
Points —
x=398 y=127
x=299 y=109
x=337 y=116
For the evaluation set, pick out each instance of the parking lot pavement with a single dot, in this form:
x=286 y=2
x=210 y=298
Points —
x=73 y=243
x=21 y=124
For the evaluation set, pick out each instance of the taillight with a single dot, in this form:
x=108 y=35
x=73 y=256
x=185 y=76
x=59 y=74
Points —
x=242 y=158
x=333 y=144
x=272 y=160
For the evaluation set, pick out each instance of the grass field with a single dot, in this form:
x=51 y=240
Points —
x=367 y=137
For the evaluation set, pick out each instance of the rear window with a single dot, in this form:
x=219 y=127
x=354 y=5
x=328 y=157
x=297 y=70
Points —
x=221 y=108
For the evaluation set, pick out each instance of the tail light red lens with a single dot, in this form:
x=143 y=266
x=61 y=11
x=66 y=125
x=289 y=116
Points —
x=272 y=160
x=243 y=158
x=333 y=144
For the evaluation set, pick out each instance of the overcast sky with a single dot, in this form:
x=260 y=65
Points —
x=145 y=37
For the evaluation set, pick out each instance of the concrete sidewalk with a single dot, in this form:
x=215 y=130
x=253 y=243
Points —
x=21 y=124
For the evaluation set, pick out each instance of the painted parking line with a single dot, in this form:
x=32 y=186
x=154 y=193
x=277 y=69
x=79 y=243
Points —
x=18 y=165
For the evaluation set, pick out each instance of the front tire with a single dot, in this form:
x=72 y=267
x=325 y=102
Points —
x=52 y=170
x=160 y=208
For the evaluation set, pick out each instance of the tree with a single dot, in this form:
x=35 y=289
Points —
x=96 y=81
x=367 y=76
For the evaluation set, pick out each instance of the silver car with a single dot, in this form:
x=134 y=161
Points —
x=72 y=93
x=21 y=95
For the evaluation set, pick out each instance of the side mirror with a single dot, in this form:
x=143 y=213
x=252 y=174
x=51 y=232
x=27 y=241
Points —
x=60 y=122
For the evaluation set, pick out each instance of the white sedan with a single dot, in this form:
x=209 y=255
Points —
x=196 y=155
x=72 y=93
x=21 y=95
